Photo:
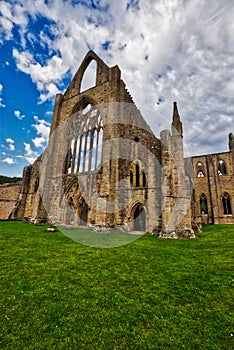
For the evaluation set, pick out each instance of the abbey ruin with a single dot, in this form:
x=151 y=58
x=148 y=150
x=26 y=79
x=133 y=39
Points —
x=104 y=167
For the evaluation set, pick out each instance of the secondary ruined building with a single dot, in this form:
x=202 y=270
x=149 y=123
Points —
x=213 y=191
x=104 y=167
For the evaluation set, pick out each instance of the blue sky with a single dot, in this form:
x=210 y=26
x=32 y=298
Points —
x=167 y=50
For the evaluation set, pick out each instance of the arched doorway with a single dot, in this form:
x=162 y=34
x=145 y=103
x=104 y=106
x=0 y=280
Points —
x=139 y=218
x=83 y=214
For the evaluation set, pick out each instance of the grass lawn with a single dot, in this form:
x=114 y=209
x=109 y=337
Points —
x=149 y=294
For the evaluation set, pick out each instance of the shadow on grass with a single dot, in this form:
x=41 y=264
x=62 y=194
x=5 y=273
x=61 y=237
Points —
x=99 y=239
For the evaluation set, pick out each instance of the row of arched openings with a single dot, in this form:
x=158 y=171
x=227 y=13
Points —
x=226 y=204
x=222 y=169
x=86 y=141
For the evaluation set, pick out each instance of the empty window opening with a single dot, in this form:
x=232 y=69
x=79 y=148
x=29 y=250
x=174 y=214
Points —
x=131 y=177
x=144 y=179
x=200 y=170
x=89 y=77
x=137 y=175
x=86 y=109
x=226 y=202
x=136 y=139
x=222 y=170
x=200 y=173
x=203 y=204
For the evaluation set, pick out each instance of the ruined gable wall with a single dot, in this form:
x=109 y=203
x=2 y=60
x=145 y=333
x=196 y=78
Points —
x=122 y=120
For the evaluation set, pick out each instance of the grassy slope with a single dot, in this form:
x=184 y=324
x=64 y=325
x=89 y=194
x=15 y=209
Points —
x=150 y=294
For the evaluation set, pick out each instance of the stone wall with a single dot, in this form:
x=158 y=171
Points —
x=212 y=183
x=8 y=197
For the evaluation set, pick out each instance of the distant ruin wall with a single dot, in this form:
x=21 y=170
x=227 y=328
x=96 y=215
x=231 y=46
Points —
x=8 y=196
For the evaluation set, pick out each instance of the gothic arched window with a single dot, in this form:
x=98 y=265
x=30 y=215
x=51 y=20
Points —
x=222 y=170
x=203 y=204
x=137 y=175
x=89 y=77
x=226 y=202
x=200 y=170
x=86 y=140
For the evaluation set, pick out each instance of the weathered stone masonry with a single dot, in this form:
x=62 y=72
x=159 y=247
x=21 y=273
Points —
x=104 y=167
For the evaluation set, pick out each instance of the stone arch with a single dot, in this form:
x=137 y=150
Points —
x=84 y=101
x=76 y=206
x=89 y=77
x=138 y=217
x=102 y=74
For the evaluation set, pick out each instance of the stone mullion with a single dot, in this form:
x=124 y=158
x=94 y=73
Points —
x=80 y=148
x=140 y=177
x=85 y=149
x=96 y=149
x=74 y=155
x=91 y=150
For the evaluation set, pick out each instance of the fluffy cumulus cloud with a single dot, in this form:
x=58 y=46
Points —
x=11 y=144
x=167 y=50
x=42 y=128
x=9 y=160
x=30 y=155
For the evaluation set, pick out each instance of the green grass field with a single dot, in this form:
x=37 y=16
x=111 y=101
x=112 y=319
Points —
x=149 y=294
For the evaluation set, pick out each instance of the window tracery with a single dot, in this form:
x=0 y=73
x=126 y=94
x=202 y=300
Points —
x=86 y=140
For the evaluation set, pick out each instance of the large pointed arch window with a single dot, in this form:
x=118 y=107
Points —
x=89 y=77
x=86 y=140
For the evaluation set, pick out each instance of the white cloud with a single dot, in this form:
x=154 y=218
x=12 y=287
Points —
x=11 y=144
x=39 y=142
x=9 y=160
x=11 y=15
x=42 y=128
x=19 y=115
x=1 y=99
x=1 y=103
x=167 y=50
x=30 y=155
x=9 y=140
